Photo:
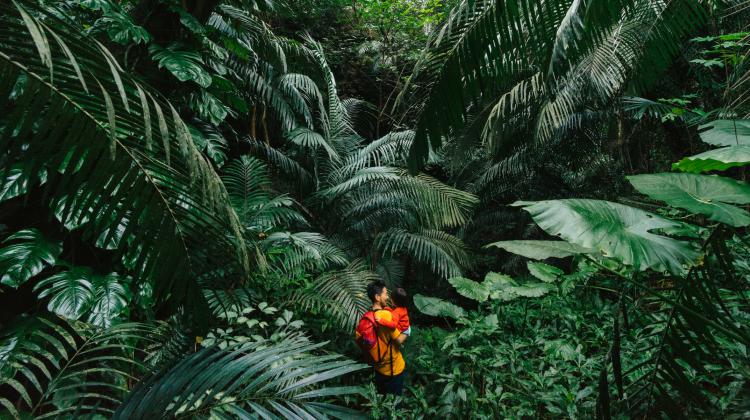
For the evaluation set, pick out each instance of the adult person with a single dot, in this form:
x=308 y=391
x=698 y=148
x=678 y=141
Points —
x=390 y=365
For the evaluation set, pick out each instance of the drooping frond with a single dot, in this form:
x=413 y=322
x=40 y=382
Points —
x=388 y=150
x=247 y=380
x=309 y=250
x=281 y=161
x=115 y=152
x=445 y=254
x=581 y=52
x=687 y=332
x=53 y=368
x=247 y=182
x=438 y=205
x=339 y=293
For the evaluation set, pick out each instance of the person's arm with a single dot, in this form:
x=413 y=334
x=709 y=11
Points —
x=401 y=338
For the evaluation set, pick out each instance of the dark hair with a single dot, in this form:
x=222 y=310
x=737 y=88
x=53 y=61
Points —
x=399 y=297
x=373 y=289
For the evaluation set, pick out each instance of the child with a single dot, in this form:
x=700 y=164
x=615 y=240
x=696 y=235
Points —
x=400 y=319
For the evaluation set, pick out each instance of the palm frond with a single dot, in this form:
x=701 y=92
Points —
x=248 y=184
x=118 y=146
x=689 y=332
x=339 y=293
x=257 y=379
x=53 y=368
x=309 y=250
x=280 y=160
x=445 y=254
x=582 y=52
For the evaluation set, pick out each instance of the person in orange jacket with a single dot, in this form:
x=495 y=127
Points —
x=385 y=350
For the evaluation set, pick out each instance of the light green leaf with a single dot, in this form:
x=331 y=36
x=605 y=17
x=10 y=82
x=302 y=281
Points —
x=715 y=160
x=531 y=290
x=726 y=132
x=26 y=256
x=469 y=288
x=544 y=272
x=541 y=250
x=699 y=194
x=617 y=231
x=437 y=307
x=499 y=286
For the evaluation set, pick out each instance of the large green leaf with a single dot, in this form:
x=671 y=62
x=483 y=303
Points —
x=469 y=288
x=26 y=256
x=726 y=133
x=700 y=194
x=499 y=286
x=111 y=297
x=531 y=289
x=16 y=182
x=184 y=65
x=617 y=231
x=719 y=159
x=505 y=288
x=71 y=292
x=437 y=307
x=544 y=272
x=541 y=250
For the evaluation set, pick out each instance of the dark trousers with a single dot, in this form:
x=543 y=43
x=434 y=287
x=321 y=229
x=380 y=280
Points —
x=390 y=384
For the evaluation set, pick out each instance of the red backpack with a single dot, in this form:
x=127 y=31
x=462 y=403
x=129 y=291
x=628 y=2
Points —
x=365 y=333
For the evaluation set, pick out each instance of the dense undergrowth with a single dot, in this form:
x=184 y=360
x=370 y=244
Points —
x=194 y=196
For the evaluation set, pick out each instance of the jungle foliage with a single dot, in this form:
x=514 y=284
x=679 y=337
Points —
x=195 y=194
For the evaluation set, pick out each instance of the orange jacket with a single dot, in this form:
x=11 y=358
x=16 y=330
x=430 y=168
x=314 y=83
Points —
x=399 y=320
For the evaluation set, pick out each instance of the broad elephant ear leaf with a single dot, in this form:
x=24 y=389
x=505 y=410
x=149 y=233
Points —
x=469 y=288
x=540 y=250
x=616 y=231
x=437 y=307
x=26 y=254
x=719 y=159
x=699 y=194
x=544 y=272
x=726 y=132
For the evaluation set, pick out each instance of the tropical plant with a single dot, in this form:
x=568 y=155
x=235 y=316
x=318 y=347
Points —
x=114 y=153
x=54 y=368
x=695 y=313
